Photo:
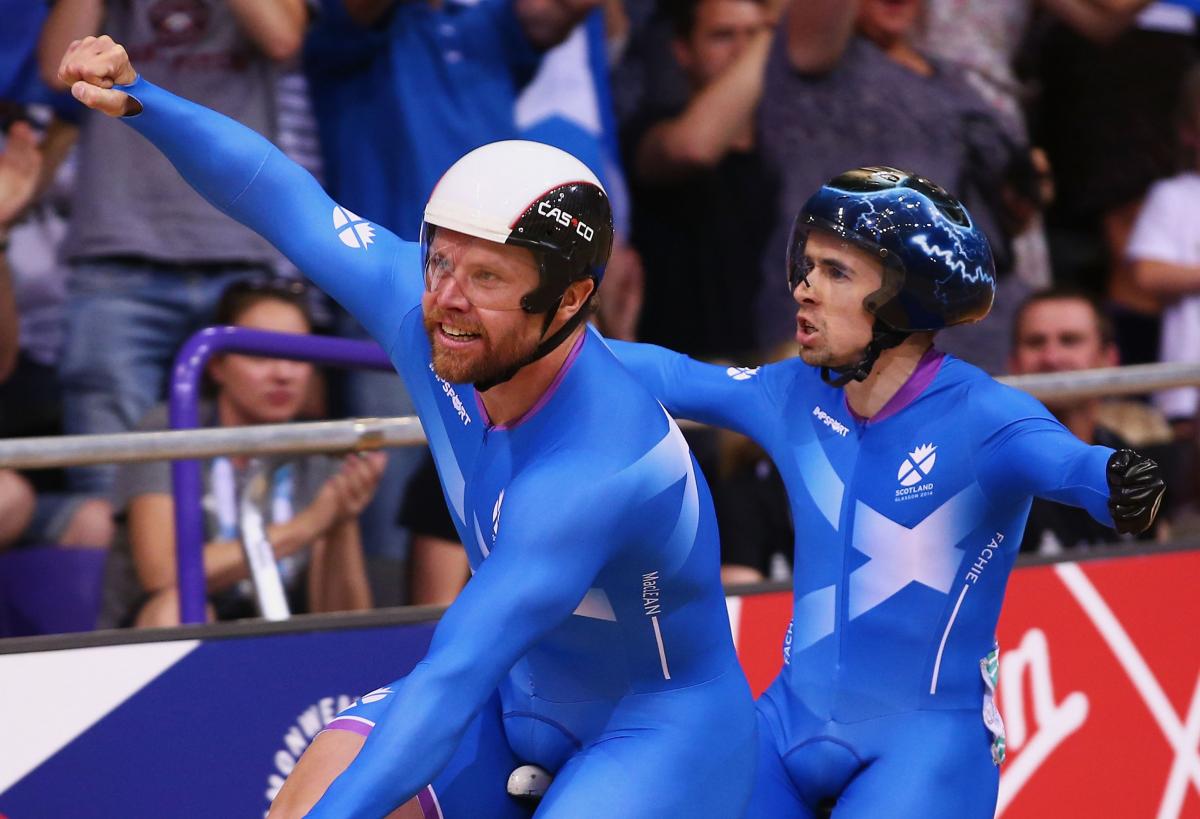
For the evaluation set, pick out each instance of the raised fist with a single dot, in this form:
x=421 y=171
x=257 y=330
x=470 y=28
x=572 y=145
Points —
x=91 y=67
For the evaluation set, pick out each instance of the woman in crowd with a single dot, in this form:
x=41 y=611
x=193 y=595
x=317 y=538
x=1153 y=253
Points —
x=315 y=500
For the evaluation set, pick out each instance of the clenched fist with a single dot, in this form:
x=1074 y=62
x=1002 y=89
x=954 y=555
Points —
x=1135 y=491
x=91 y=67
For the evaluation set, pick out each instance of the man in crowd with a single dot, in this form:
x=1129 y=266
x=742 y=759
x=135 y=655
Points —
x=703 y=195
x=1060 y=330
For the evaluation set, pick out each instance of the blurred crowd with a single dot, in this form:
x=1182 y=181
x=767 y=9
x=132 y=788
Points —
x=1071 y=129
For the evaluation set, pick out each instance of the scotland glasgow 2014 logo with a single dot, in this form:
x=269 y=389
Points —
x=913 y=470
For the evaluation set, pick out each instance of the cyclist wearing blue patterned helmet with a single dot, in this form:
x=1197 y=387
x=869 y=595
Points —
x=909 y=476
x=935 y=265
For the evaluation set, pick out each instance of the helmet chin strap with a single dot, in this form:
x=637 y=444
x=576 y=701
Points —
x=545 y=346
x=882 y=338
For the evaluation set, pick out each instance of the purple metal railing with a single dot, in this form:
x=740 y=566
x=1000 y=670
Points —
x=187 y=486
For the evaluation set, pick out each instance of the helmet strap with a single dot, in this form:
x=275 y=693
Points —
x=546 y=345
x=883 y=337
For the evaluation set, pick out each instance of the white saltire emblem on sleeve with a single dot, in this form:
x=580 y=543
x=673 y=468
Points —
x=353 y=230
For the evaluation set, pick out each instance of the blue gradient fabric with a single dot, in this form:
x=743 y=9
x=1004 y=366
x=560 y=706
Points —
x=907 y=526
x=595 y=607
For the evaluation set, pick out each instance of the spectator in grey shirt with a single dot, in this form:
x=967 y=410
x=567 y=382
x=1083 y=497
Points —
x=315 y=501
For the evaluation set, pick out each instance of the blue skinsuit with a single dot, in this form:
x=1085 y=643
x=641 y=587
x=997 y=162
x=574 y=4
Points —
x=595 y=607
x=907 y=526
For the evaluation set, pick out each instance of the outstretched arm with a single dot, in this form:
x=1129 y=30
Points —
x=736 y=398
x=538 y=571
x=1030 y=453
x=1045 y=460
x=370 y=271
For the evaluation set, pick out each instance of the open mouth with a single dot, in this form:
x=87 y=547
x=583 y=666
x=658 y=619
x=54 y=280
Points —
x=456 y=334
x=806 y=331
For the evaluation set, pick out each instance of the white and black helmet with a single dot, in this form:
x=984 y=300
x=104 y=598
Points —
x=534 y=196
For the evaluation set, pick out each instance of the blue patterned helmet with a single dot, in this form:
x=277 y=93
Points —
x=937 y=265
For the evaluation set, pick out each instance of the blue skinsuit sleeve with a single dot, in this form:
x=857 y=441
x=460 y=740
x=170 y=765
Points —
x=698 y=391
x=243 y=175
x=545 y=558
x=1024 y=451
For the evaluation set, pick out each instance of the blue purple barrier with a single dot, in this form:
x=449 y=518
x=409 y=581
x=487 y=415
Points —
x=187 y=486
